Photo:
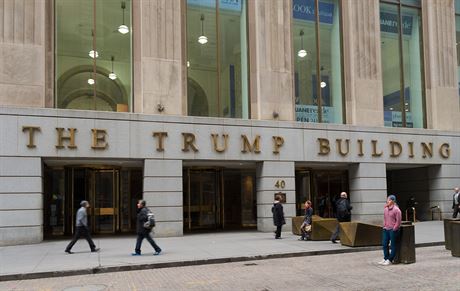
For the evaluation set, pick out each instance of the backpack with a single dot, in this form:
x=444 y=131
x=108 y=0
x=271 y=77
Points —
x=150 y=223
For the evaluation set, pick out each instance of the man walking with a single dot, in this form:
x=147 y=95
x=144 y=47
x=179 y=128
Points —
x=391 y=224
x=278 y=216
x=343 y=208
x=456 y=202
x=82 y=229
x=143 y=232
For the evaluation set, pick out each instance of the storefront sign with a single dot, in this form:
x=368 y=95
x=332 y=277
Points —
x=66 y=139
x=389 y=23
x=305 y=10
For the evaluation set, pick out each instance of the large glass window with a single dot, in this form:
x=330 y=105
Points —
x=402 y=63
x=217 y=58
x=457 y=39
x=93 y=54
x=317 y=61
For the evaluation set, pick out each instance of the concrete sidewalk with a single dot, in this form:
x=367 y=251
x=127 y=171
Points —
x=48 y=259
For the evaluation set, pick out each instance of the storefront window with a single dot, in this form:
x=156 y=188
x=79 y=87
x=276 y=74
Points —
x=217 y=58
x=402 y=64
x=317 y=52
x=93 y=54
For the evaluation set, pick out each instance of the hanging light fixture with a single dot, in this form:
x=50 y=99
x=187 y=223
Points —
x=202 y=39
x=93 y=54
x=301 y=53
x=90 y=80
x=123 y=29
x=112 y=75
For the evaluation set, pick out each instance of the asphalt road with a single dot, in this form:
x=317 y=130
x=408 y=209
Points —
x=435 y=269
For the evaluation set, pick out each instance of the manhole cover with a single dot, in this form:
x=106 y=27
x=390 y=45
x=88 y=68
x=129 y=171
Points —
x=98 y=287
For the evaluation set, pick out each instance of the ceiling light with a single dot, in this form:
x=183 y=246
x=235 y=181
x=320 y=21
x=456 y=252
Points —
x=202 y=39
x=112 y=75
x=93 y=54
x=123 y=29
x=188 y=64
x=323 y=84
x=301 y=53
x=91 y=81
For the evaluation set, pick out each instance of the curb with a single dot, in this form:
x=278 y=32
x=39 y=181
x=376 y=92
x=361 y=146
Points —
x=109 y=269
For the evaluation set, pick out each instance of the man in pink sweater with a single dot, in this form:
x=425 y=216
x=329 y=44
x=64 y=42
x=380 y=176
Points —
x=391 y=224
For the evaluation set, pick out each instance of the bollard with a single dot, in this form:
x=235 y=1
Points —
x=448 y=231
x=455 y=238
x=405 y=249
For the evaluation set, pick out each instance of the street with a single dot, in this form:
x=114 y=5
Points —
x=435 y=269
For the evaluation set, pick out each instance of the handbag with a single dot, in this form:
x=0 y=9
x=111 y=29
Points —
x=307 y=228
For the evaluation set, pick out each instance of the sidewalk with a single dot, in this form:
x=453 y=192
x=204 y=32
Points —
x=48 y=259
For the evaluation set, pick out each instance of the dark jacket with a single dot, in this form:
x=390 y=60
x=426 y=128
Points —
x=308 y=215
x=142 y=216
x=455 y=203
x=278 y=214
x=343 y=209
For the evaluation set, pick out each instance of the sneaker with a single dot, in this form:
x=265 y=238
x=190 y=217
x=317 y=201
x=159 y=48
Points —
x=300 y=238
x=69 y=252
x=157 y=253
x=135 y=254
x=386 y=263
x=95 y=250
x=333 y=241
x=381 y=262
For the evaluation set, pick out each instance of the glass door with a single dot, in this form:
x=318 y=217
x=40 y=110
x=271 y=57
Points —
x=104 y=202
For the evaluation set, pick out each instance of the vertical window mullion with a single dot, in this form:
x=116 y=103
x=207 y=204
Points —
x=318 y=64
x=401 y=68
x=218 y=51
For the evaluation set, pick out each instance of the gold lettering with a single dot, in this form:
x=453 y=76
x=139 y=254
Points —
x=247 y=147
x=427 y=149
x=99 y=142
x=161 y=135
x=189 y=142
x=411 y=149
x=61 y=137
x=339 y=146
x=278 y=142
x=215 y=143
x=395 y=151
x=374 y=149
x=444 y=150
x=360 y=150
x=324 y=148
x=31 y=130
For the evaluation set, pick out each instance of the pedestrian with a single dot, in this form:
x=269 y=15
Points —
x=278 y=216
x=343 y=208
x=456 y=202
x=305 y=228
x=82 y=229
x=391 y=224
x=142 y=231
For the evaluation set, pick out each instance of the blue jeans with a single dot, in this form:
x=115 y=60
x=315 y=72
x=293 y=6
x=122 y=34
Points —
x=389 y=237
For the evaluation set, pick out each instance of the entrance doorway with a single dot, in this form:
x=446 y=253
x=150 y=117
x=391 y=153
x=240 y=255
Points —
x=219 y=199
x=112 y=193
x=322 y=188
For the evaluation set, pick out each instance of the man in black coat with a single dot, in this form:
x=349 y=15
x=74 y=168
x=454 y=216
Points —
x=456 y=202
x=142 y=232
x=343 y=209
x=278 y=216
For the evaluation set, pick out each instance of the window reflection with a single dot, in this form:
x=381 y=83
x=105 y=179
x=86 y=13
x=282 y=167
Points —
x=93 y=54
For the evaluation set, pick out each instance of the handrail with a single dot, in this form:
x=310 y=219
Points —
x=433 y=209
x=413 y=214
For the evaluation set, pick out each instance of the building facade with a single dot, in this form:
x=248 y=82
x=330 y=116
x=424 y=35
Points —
x=207 y=109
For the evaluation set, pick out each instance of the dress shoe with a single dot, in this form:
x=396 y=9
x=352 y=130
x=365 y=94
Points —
x=157 y=253
x=69 y=252
x=95 y=250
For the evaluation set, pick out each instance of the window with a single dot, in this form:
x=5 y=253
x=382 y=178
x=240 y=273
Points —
x=457 y=39
x=402 y=63
x=217 y=58
x=93 y=54
x=317 y=61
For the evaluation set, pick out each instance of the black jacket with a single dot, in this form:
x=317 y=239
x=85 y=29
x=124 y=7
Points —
x=343 y=209
x=142 y=217
x=453 y=200
x=278 y=214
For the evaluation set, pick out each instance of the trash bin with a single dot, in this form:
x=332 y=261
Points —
x=448 y=231
x=405 y=249
x=455 y=238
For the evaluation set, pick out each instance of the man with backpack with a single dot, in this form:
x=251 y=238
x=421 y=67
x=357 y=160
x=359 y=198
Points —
x=343 y=208
x=145 y=224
